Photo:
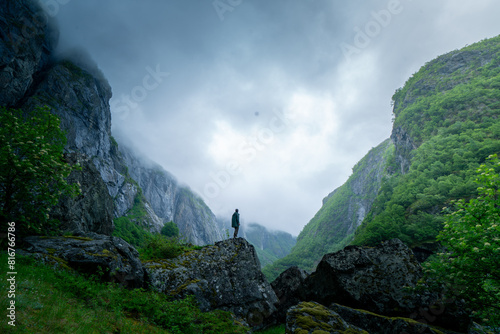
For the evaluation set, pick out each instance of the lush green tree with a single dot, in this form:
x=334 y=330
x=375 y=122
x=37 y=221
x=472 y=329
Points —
x=469 y=267
x=170 y=229
x=33 y=170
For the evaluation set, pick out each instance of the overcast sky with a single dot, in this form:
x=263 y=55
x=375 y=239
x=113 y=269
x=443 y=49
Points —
x=263 y=105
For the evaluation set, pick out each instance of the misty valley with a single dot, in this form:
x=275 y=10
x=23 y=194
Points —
x=97 y=236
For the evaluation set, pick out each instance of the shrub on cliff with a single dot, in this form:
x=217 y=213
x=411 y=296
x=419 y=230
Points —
x=170 y=229
x=33 y=170
x=469 y=266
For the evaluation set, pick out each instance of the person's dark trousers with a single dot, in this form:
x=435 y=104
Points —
x=236 y=231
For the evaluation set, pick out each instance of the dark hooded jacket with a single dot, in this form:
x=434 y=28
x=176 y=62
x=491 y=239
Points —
x=235 y=221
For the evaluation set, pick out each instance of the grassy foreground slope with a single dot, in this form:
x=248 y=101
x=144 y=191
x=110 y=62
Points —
x=61 y=301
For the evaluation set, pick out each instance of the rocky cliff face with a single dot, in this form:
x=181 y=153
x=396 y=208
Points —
x=78 y=93
x=439 y=75
x=358 y=193
x=404 y=146
x=27 y=42
x=169 y=200
x=364 y=185
x=92 y=210
x=80 y=101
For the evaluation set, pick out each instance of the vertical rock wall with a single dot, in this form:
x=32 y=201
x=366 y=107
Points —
x=79 y=95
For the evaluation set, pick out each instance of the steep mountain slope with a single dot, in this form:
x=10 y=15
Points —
x=342 y=212
x=270 y=245
x=77 y=92
x=446 y=124
x=171 y=201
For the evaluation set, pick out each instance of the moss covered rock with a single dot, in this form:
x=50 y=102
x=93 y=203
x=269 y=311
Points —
x=110 y=258
x=313 y=318
x=379 y=324
x=223 y=276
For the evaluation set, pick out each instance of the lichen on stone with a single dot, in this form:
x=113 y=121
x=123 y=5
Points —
x=311 y=317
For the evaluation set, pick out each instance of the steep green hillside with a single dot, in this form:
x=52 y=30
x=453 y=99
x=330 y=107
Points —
x=342 y=211
x=270 y=245
x=446 y=124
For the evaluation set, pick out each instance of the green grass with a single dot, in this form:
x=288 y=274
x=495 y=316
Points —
x=274 y=330
x=130 y=231
x=161 y=247
x=54 y=301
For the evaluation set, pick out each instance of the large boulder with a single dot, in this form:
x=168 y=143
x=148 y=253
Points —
x=313 y=318
x=223 y=276
x=287 y=288
x=376 y=279
x=92 y=254
x=379 y=324
x=369 y=278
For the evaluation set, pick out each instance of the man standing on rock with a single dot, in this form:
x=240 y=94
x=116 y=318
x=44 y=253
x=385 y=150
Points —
x=235 y=222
